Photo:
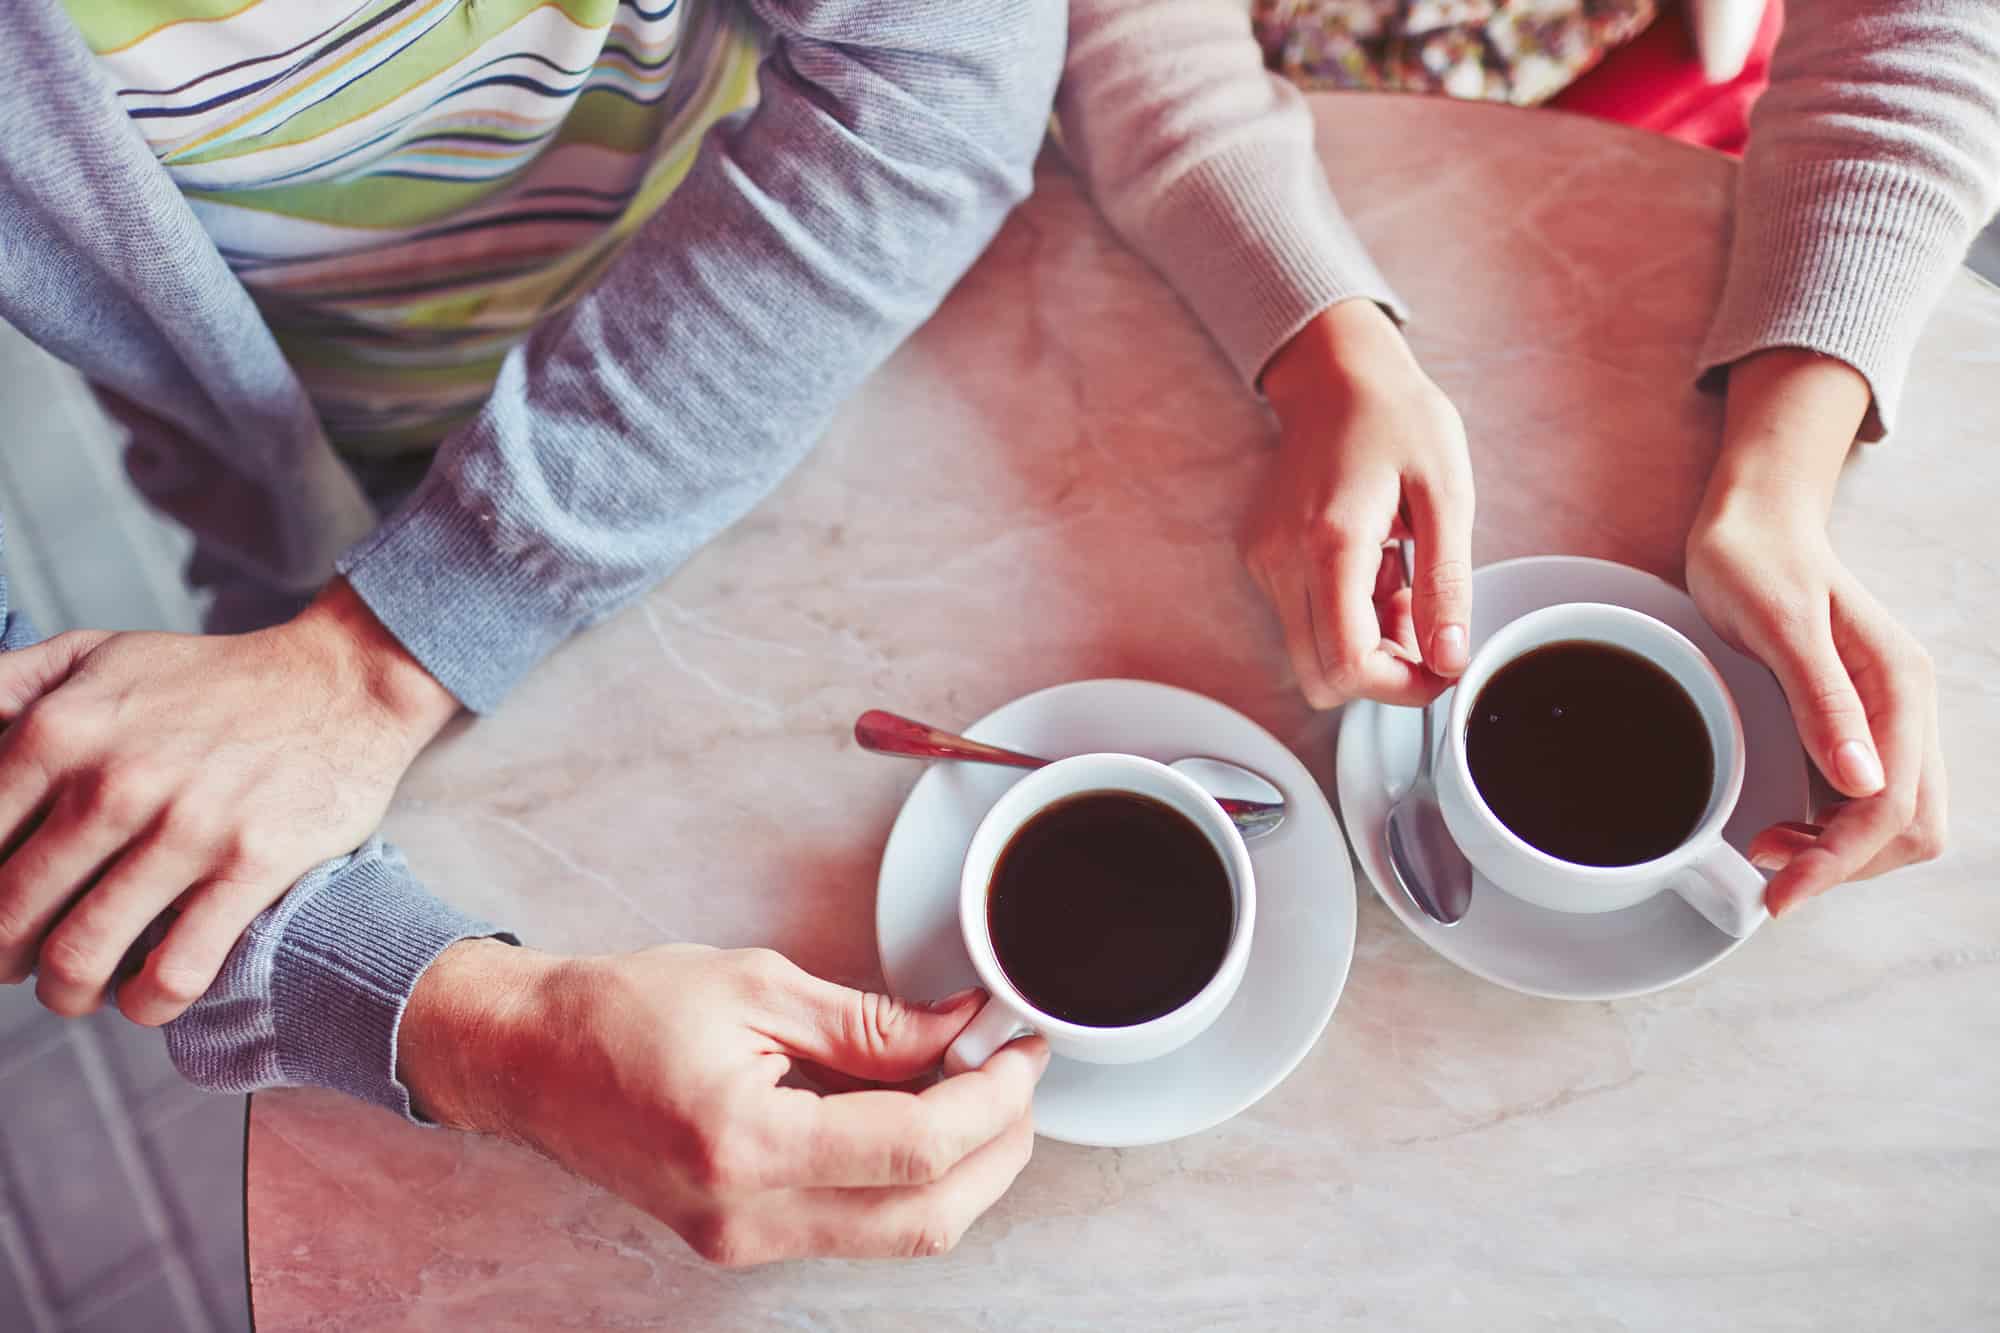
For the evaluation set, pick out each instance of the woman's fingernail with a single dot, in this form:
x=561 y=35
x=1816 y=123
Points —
x=1448 y=647
x=956 y=1000
x=1858 y=767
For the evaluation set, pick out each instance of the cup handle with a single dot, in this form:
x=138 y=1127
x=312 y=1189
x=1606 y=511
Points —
x=1725 y=888
x=991 y=1028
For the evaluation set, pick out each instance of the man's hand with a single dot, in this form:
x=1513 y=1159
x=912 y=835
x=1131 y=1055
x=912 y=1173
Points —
x=656 y=1075
x=142 y=772
x=1371 y=451
x=1862 y=690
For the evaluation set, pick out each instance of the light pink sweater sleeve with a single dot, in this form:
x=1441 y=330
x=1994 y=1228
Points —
x=1204 y=163
x=1874 y=159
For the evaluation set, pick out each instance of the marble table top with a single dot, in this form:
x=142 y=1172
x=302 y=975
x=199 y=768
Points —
x=1044 y=485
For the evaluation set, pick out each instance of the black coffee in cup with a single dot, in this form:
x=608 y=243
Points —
x=1591 y=753
x=1110 y=908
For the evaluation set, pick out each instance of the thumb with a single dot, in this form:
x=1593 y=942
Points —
x=1828 y=711
x=875 y=1036
x=26 y=674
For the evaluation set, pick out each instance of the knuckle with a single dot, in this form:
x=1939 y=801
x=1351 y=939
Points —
x=1903 y=807
x=1344 y=671
x=1329 y=536
x=178 y=984
x=1784 y=619
x=1925 y=840
x=1446 y=581
x=1258 y=552
x=764 y=969
x=921 y=1156
x=70 y=962
x=252 y=854
x=878 y=1020
x=1831 y=696
x=723 y=1239
x=933 y=1233
x=121 y=794
x=16 y=930
x=723 y=1161
x=190 y=825
x=42 y=729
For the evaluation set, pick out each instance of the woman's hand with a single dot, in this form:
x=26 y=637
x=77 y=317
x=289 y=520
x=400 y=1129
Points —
x=140 y=772
x=1371 y=451
x=658 y=1075
x=1862 y=690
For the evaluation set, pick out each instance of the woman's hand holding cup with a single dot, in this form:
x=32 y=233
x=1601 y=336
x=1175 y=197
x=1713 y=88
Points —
x=1862 y=689
x=1371 y=451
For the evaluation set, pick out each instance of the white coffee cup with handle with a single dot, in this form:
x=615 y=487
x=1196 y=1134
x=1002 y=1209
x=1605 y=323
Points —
x=1704 y=869
x=1007 y=1013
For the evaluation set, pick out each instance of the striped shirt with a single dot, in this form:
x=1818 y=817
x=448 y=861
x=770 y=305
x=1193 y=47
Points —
x=405 y=187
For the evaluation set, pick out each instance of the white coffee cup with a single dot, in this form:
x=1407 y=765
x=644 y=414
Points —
x=1007 y=1014
x=1705 y=870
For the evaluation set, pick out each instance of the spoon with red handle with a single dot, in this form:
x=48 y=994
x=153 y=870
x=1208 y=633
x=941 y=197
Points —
x=892 y=734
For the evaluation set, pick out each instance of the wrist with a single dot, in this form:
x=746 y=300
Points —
x=466 y=1044
x=1790 y=418
x=1344 y=350
x=371 y=665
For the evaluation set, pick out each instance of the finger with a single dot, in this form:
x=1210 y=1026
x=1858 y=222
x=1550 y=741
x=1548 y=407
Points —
x=1392 y=607
x=1898 y=710
x=876 y=1138
x=1924 y=839
x=1287 y=591
x=29 y=766
x=1441 y=582
x=1832 y=721
x=1774 y=847
x=28 y=673
x=1777 y=846
x=917 y=1221
x=37 y=883
x=862 y=1033
x=181 y=968
x=86 y=948
x=1360 y=661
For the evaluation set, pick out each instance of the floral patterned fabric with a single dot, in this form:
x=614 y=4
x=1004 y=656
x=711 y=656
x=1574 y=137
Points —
x=1518 y=51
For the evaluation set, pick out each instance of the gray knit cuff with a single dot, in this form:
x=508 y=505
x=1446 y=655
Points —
x=346 y=966
x=314 y=992
x=444 y=579
x=1846 y=259
x=1257 y=248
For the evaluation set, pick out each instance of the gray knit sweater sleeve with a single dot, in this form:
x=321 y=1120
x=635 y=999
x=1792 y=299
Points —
x=314 y=992
x=1874 y=160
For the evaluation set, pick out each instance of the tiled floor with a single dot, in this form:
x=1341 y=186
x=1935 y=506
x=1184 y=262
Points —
x=121 y=1187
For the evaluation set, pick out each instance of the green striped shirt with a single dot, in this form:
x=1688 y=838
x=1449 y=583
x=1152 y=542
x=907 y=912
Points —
x=406 y=187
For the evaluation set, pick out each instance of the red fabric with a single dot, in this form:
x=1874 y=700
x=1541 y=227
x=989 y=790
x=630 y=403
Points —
x=1654 y=82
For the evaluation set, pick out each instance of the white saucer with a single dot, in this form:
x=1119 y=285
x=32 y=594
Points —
x=1561 y=955
x=1305 y=909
